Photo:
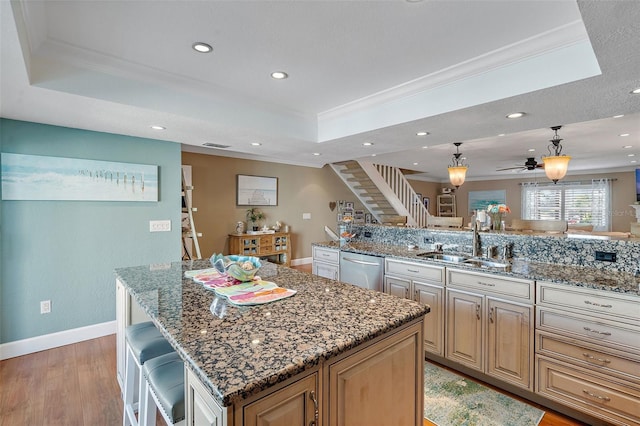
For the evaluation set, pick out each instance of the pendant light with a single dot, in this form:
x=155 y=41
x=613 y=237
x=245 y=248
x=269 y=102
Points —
x=556 y=164
x=457 y=170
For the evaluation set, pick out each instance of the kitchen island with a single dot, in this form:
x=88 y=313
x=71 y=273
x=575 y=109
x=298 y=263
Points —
x=333 y=353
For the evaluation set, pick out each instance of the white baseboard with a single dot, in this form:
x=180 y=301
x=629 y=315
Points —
x=301 y=261
x=54 y=340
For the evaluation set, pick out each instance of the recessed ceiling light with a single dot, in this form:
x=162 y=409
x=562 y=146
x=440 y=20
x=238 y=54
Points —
x=618 y=116
x=367 y=144
x=201 y=47
x=279 y=75
x=635 y=91
x=425 y=147
x=373 y=155
x=531 y=150
x=316 y=153
x=154 y=127
x=422 y=133
x=515 y=115
x=628 y=146
x=634 y=161
x=415 y=164
x=631 y=155
x=256 y=143
x=624 y=134
x=501 y=134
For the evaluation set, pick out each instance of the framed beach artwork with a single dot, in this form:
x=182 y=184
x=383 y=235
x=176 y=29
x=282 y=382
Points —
x=35 y=177
x=479 y=200
x=257 y=191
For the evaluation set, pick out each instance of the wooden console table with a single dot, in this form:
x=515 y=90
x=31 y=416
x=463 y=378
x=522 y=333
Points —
x=276 y=247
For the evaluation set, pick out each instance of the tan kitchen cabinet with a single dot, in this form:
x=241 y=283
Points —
x=425 y=284
x=490 y=325
x=588 y=351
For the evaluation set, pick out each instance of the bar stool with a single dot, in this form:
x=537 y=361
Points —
x=143 y=342
x=164 y=389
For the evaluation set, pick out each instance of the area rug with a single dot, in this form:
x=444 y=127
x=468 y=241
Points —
x=452 y=400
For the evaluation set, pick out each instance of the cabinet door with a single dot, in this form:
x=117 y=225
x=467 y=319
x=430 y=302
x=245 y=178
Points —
x=464 y=329
x=510 y=342
x=326 y=270
x=379 y=385
x=433 y=322
x=200 y=408
x=122 y=321
x=294 y=405
x=397 y=287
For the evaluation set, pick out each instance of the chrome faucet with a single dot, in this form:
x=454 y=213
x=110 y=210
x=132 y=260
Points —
x=475 y=249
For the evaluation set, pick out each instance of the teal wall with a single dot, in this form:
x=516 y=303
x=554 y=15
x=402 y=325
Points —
x=66 y=251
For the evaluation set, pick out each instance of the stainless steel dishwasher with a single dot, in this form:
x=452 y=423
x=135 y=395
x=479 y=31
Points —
x=362 y=270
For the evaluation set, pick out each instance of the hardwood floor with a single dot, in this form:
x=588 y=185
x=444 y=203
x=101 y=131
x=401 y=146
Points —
x=76 y=385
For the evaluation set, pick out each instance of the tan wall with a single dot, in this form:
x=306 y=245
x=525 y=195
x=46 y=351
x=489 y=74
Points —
x=300 y=190
x=427 y=189
x=623 y=194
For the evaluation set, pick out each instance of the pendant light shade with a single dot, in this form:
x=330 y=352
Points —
x=555 y=165
x=457 y=170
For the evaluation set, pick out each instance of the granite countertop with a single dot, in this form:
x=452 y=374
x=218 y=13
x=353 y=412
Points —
x=579 y=276
x=239 y=351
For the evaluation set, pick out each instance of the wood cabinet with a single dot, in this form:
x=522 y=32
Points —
x=326 y=262
x=490 y=325
x=382 y=384
x=446 y=204
x=588 y=351
x=425 y=284
x=275 y=247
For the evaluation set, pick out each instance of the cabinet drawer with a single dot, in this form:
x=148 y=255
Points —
x=603 y=332
x=592 y=301
x=326 y=255
x=610 y=361
x=418 y=271
x=510 y=288
x=616 y=401
x=266 y=240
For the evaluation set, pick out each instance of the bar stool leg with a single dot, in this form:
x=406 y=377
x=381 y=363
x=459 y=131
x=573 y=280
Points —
x=133 y=375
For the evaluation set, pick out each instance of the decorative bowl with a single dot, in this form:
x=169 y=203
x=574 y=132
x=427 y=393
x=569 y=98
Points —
x=242 y=268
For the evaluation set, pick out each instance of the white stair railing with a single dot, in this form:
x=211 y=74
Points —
x=397 y=189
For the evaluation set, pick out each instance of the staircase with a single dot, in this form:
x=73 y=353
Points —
x=384 y=191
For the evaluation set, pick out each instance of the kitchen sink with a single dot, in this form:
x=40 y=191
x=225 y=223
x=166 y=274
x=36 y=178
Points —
x=465 y=260
x=444 y=257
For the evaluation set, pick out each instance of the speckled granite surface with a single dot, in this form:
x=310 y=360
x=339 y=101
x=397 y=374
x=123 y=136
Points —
x=576 y=275
x=239 y=351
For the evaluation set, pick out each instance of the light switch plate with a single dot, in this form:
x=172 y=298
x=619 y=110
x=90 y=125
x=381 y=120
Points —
x=159 y=225
x=306 y=216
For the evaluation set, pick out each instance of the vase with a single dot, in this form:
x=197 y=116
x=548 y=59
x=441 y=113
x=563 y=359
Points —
x=496 y=221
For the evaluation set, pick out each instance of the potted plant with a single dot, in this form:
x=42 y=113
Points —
x=254 y=215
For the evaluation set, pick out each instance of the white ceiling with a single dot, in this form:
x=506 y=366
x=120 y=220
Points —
x=359 y=71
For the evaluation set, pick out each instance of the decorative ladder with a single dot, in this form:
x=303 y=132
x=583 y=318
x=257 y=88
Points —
x=384 y=191
x=189 y=234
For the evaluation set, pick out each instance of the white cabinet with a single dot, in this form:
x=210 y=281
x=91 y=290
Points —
x=326 y=262
x=425 y=284
x=201 y=409
x=588 y=351
x=446 y=205
x=490 y=325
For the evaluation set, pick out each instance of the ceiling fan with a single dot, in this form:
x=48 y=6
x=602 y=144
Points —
x=530 y=164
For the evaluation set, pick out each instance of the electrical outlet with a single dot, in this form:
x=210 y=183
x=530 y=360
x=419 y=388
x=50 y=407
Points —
x=606 y=256
x=426 y=240
x=45 y=306
x=159 y=225
x=306 y=216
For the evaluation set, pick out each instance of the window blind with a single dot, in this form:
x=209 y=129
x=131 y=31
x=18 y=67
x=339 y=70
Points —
x=584 y=203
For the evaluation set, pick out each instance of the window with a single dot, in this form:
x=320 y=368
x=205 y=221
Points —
x=584 y=203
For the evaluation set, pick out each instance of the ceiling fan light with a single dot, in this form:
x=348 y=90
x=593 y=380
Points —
x=556 y=167
x=457 y=175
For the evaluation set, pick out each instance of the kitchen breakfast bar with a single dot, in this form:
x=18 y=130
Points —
x=331 y=354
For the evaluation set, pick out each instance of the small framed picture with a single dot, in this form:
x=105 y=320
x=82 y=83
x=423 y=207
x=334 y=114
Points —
x=367 y=218
x=341 y=204
x=348 y=205
x=358 y=212
x=426 y=202
x=339 y=217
